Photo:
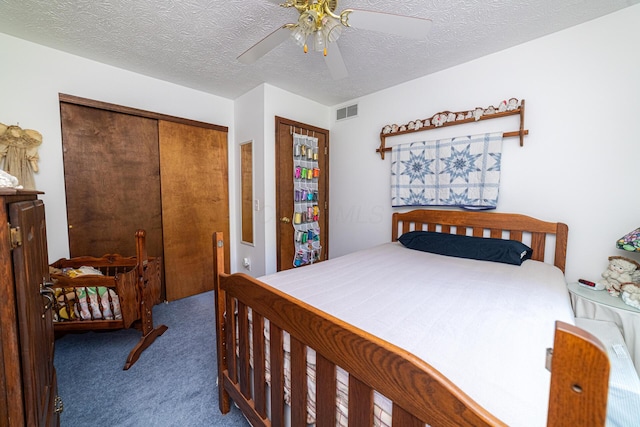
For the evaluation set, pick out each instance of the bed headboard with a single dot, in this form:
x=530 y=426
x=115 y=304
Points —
x=531 y=231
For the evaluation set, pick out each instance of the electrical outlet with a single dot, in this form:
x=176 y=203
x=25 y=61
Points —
x=256 y=205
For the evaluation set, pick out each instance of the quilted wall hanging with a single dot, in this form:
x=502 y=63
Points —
x=461 y=171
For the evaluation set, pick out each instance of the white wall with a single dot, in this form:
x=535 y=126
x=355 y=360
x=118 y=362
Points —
x=284 y=104
x=32 y=76
x=249 y=124
x=578 y=164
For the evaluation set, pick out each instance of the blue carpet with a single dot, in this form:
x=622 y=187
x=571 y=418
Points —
x=172 y=384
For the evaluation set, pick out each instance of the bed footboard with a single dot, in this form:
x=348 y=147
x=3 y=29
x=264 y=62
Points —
x=418 y=393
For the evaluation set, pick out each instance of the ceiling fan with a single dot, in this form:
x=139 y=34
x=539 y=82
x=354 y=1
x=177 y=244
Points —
x=319 y=26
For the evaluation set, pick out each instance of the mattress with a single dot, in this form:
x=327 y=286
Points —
x=484 y=325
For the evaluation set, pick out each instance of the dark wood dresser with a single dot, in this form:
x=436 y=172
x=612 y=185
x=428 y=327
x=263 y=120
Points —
x=28 y=385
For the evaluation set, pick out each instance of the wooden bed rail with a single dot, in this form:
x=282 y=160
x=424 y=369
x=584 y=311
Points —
x=516 y=227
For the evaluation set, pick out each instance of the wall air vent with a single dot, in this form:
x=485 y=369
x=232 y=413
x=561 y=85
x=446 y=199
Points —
x=347 y=112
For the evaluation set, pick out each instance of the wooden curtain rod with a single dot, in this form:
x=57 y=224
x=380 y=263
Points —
x=521 y=133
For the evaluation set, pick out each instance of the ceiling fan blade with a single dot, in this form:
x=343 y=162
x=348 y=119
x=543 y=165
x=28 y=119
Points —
x=406 y=26
x=265 y=45
x=335 y=63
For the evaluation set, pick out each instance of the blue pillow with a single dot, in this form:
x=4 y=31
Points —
x=480 y=248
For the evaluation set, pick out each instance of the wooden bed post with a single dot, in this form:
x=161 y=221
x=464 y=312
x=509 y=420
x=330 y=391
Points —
x=579 y=379
x=562 y=234
x=218 y=268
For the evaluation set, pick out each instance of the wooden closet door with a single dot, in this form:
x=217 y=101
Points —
x=195 y=204
x=112 y=181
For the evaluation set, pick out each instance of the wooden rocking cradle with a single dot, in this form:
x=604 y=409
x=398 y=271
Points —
x=121 y=297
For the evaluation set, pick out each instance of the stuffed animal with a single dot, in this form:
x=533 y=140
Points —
x=620 y=270
x=631 y=294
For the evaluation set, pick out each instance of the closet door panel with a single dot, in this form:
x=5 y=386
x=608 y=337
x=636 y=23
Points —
x=195 y=203
x=112 y=180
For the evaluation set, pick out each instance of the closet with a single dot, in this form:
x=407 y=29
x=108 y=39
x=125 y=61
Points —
x=127 y=169
x=28 y=386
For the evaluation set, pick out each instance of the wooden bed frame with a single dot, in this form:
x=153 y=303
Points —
x=136 y=281
x=420 y=394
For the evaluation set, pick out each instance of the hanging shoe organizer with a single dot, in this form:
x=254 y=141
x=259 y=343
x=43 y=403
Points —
x=306 y=211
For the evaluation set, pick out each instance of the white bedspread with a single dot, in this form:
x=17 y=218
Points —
x=484 y=325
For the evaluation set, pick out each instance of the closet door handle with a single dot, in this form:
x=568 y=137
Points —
x=58 y=405
x=46 y=290
x=49 y=294
x=285 y=219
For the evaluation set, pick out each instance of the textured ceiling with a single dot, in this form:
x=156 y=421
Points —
x=195 y=43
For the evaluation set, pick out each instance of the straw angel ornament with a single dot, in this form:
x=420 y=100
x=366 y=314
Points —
x=19 y=153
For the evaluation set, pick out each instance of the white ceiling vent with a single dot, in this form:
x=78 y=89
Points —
x=347 y=112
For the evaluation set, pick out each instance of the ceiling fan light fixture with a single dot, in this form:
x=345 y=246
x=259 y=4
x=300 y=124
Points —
x=308 y=21
x=299 y=36
x=319 y=19
x=329 y=31
x=319 y=42
x=331 y=28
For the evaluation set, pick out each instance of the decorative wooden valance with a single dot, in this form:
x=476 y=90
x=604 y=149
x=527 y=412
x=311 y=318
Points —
x=448 y=118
